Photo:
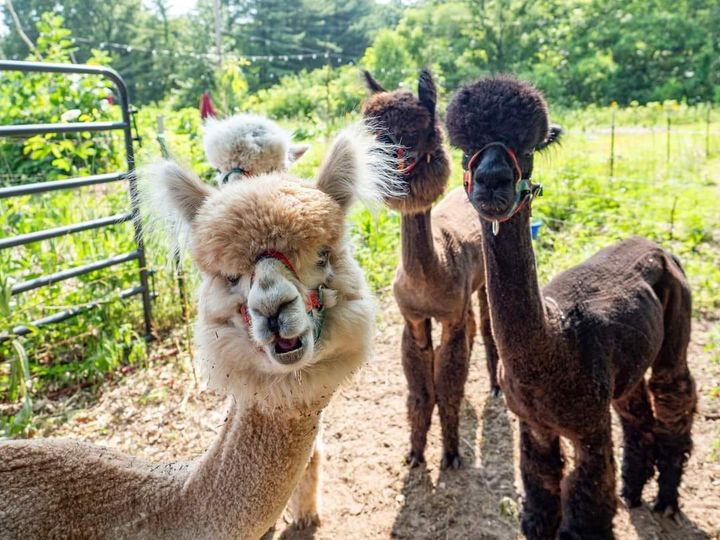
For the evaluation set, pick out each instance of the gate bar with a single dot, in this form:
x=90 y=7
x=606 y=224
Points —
x=23 y=130
x=29 y=285
x=64 y=315
x=68 y=183
x=62 y=231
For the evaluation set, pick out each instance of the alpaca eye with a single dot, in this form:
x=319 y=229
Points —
x=323 y=257
x=232 y=280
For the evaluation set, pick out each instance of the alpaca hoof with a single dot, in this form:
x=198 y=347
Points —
x=451 y=460
x=631 y=501
x=414 y=459
x=631 y=498
x=495 y=391
x=306 y=521
x=668 y=509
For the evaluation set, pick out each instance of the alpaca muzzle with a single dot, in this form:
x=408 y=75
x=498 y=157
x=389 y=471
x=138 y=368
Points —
x=407 y=158
x=281 y=320
x=524 y=189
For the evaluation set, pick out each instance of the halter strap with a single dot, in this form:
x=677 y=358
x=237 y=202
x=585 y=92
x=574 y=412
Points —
x=525 y=189
x=407 y=159
x=234 y=170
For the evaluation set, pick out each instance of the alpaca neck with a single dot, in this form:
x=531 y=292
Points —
x=418 y=250
x=516 y=306
x=242 y=483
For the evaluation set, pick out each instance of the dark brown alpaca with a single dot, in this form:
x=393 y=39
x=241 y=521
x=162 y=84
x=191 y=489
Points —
x=583 y=343
x=440 y=269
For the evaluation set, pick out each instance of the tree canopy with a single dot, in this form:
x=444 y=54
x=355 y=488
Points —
x=576 y=51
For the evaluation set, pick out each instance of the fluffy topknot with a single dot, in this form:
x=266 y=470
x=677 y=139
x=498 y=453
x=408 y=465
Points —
x=253 y=143
x=499 y=108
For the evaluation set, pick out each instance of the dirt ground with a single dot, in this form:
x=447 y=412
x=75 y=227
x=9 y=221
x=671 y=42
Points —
x=368 y=492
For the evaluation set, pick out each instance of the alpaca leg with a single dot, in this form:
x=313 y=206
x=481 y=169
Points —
x=637 y=423
x=451 y=370
x=471 y=329
x=588 y=493
x=541 y=466
x=417 y=360
x=674 y=399
x=305 y=498
x=491 y=354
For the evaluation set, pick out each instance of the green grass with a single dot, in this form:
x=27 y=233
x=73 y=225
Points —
x=672 y=201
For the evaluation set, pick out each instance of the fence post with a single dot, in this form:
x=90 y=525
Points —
x=180 y=275
x=707 y=130
x=612 y=144
x=667 y=143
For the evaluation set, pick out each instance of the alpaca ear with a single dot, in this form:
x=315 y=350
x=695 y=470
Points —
x=296 y=151
x=554 y=135
x=173 y=190
x=427 y=92
x=359 y=167
x=371 y=83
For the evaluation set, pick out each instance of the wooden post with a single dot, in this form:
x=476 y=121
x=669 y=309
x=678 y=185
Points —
x=672 y=218
x=612 y=144
x=218 y=40
x=180 y=275
x=707 y=130
x=667 y=142
x=327 y=91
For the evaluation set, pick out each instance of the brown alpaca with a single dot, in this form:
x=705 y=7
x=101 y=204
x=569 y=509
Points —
x=440 y=269
x=583 y=343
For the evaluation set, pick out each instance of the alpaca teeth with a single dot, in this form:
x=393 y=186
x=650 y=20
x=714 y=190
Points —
x=495 y=227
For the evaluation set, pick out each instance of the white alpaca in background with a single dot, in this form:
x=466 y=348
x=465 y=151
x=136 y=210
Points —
x=284 y=317
x=246 y=145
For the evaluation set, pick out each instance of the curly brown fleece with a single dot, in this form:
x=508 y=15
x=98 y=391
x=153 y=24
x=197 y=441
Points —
x=441 y=268
x=413 y=122
x=582 y=344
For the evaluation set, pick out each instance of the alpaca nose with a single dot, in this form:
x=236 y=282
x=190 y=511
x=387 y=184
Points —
x=273 y=322
x=493 y=171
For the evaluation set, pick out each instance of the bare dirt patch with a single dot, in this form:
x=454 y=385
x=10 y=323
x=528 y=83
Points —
x=368 y=492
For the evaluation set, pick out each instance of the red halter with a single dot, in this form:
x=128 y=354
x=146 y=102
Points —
x=467 y=174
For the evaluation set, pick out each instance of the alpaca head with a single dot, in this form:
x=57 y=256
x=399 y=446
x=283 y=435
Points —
x=248 y=145
x=410 y=123
x=284 y=314
x=499 y=123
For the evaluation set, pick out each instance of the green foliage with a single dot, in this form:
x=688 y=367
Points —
x=321 y=94
x=577 y=52
x=43 y=98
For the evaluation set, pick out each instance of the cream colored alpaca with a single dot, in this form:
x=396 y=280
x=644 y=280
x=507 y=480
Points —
x=239 y=147
x=284 y=317
x=246 y=145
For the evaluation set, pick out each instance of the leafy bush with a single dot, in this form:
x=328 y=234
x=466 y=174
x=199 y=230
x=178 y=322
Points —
x=48 y=98
x=321 y=94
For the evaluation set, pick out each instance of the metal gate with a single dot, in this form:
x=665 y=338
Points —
x=133 y=215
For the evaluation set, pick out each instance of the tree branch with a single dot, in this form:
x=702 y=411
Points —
x=20 y=31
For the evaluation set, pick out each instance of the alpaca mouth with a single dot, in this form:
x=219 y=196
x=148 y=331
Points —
x=288 y=350
x=283 y=345
x=491 y=210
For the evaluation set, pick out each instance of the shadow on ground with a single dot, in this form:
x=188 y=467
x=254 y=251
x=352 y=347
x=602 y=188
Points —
x=476 y=501
x=650 y=526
